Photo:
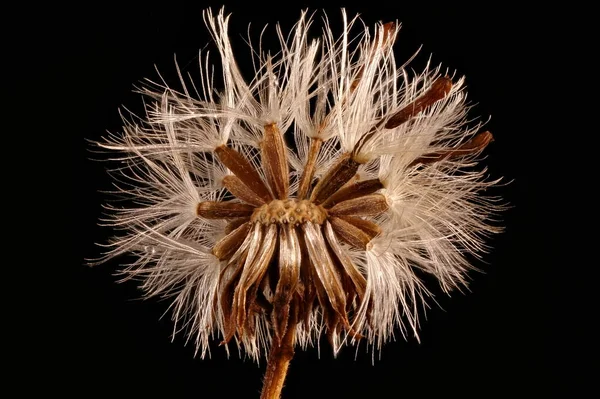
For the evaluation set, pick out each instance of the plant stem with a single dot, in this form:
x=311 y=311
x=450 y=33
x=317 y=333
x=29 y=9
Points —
x=280 y=355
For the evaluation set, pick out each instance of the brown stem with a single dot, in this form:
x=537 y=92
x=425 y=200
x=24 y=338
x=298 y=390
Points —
x=309 y=169
x=280 y=355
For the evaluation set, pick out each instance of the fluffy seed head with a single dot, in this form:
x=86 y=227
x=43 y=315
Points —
x=308 y=198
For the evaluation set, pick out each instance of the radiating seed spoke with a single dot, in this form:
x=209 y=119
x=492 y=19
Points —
x=233 y=224
x=309 y=169
x=325 y=270
x=369 y=228
x=360 y=283
x=338 y=175
x=259 y=256
x=349 y=233
x=244 y=170
x=438 y=90
x=223 y=210
x=236 y=187
x=368 y=205
x=289 y=274
x=275 y=163
x=226 y=246
x=353 y=190
x=476 y=144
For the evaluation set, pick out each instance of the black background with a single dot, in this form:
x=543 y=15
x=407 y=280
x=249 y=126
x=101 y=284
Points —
x=488 y=341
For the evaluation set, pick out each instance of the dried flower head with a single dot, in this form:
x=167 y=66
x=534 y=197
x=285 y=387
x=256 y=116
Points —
x=268 y=244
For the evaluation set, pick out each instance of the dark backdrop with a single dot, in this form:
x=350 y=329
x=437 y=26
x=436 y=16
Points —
x=488 y=341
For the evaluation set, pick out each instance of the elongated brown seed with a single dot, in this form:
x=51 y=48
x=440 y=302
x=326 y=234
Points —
x=233 y=224
x=368 y=227
x=326 y=275
x=342 y=171
x=360 y=283
x=244 y=170
x=259 y=256
x=227 y=245
x=223 y=210
x=369 y=205
x=309 y=169
x=438 y=90
x=275 y=163
x=236 y=187
x=389 y=35
x=348 y=233
x=289 y=275
x=353 y=189
x=476 y=144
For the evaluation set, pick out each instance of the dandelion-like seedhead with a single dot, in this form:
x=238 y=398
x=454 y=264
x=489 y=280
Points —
x=306 y=201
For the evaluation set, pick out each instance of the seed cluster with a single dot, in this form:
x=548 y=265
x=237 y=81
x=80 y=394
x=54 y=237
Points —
x=283 y=252
x=283 y=255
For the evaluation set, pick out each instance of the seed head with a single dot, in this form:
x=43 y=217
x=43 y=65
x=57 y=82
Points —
x=254 y=237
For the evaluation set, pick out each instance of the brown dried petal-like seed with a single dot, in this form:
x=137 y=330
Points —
x=223 y=210
x=369 y=205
